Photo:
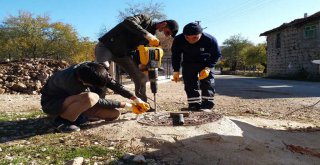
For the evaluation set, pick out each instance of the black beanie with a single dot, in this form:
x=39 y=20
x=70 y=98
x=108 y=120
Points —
x=174 y=27
x=192 y=29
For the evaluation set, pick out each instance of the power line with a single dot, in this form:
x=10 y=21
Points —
x=239 y=10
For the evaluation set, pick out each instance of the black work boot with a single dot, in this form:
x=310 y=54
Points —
x=65 y=126
x=194 y=107
x=207 y=107
x=81 y=120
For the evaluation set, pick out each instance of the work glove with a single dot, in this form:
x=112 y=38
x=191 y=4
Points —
x=142 y=106
x=153 y=41
x=134 y=108
x=204 y=73
x=176 y=76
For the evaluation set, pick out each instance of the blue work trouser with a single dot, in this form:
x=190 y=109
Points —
x=190 y=74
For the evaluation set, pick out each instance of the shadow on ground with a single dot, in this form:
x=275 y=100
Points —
x=255 y=146
x=23 y=129
x=261 y=88
x=13 y=130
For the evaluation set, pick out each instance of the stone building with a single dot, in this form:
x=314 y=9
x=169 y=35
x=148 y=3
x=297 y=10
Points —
x=292 y=46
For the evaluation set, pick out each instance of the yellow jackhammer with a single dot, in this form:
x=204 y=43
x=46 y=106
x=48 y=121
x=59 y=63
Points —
x=150 y=58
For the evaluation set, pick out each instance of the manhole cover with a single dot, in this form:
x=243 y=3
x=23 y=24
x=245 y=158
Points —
x=164 y=119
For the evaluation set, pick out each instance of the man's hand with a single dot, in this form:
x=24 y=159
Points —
x=176 y=76
x=153 y=41
x=135 y=108
x=139 y=110
x=204 y=73
x=143 y=106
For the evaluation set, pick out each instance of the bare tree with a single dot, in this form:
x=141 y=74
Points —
x=154 y=10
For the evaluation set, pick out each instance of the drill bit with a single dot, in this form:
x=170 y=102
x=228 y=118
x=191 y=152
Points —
x=155 y=102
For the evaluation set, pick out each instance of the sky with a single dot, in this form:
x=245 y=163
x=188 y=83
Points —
x=220 y=18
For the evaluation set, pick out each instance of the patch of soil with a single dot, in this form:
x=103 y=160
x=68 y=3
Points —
x=164 y=119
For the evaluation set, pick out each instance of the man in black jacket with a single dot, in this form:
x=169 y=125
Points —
x=125 y=37
x=75 y=93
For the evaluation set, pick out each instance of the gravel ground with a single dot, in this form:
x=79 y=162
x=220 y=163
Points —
x=238 y=139
x=171 y=97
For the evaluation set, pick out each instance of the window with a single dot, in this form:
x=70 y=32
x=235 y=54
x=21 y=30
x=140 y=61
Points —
x=278 y=41
x=310 y=32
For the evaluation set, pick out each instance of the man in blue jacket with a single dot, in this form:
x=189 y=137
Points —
x=76 y=93
x=200 y=53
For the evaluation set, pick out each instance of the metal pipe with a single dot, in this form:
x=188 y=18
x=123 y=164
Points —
x=181 y=119
x=155 y=102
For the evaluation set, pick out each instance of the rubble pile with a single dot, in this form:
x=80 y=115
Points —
x=27 y=76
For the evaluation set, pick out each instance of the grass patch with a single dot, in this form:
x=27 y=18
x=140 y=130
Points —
x=24 y=124
x=27 y=138
x=22 y=115
x=53 y=154
x=56 y=148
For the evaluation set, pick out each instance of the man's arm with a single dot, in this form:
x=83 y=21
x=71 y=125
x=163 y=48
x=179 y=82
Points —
x=118 y=88
x=109 y=104
x=215 y=53
x=133 y=24
x=176 y=55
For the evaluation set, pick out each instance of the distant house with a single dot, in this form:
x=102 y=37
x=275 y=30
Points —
x=292 y=46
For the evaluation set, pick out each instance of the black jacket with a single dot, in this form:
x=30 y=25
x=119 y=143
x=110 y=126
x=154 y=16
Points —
x=128 y=35
x=64 y=83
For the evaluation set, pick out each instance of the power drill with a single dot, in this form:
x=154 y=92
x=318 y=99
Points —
x=150 y=57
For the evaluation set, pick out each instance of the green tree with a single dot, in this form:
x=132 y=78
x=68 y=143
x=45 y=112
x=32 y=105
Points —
x=85 y=51
x=62 y=41
x=231 y=51
x=255 y=55
x=26 y=36
x=23 y=35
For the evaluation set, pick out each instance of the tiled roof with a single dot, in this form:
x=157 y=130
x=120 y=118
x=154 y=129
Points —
x=296 y=22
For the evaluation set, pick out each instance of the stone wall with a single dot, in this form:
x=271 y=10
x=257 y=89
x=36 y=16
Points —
x=294 y=56
x=27 y=75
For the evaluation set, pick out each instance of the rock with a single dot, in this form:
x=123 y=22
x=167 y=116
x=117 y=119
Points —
x=151 y=162
x=8 y=157
x=86 y=161
x=20 y=87
x=111 y=148
x=42 y=76
x=2 y=91
x=139 y=159
x=76 y=161
x=37 y=85
x=33 y=73
x=26 y=78
x=11 y=78
x=127 y=156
